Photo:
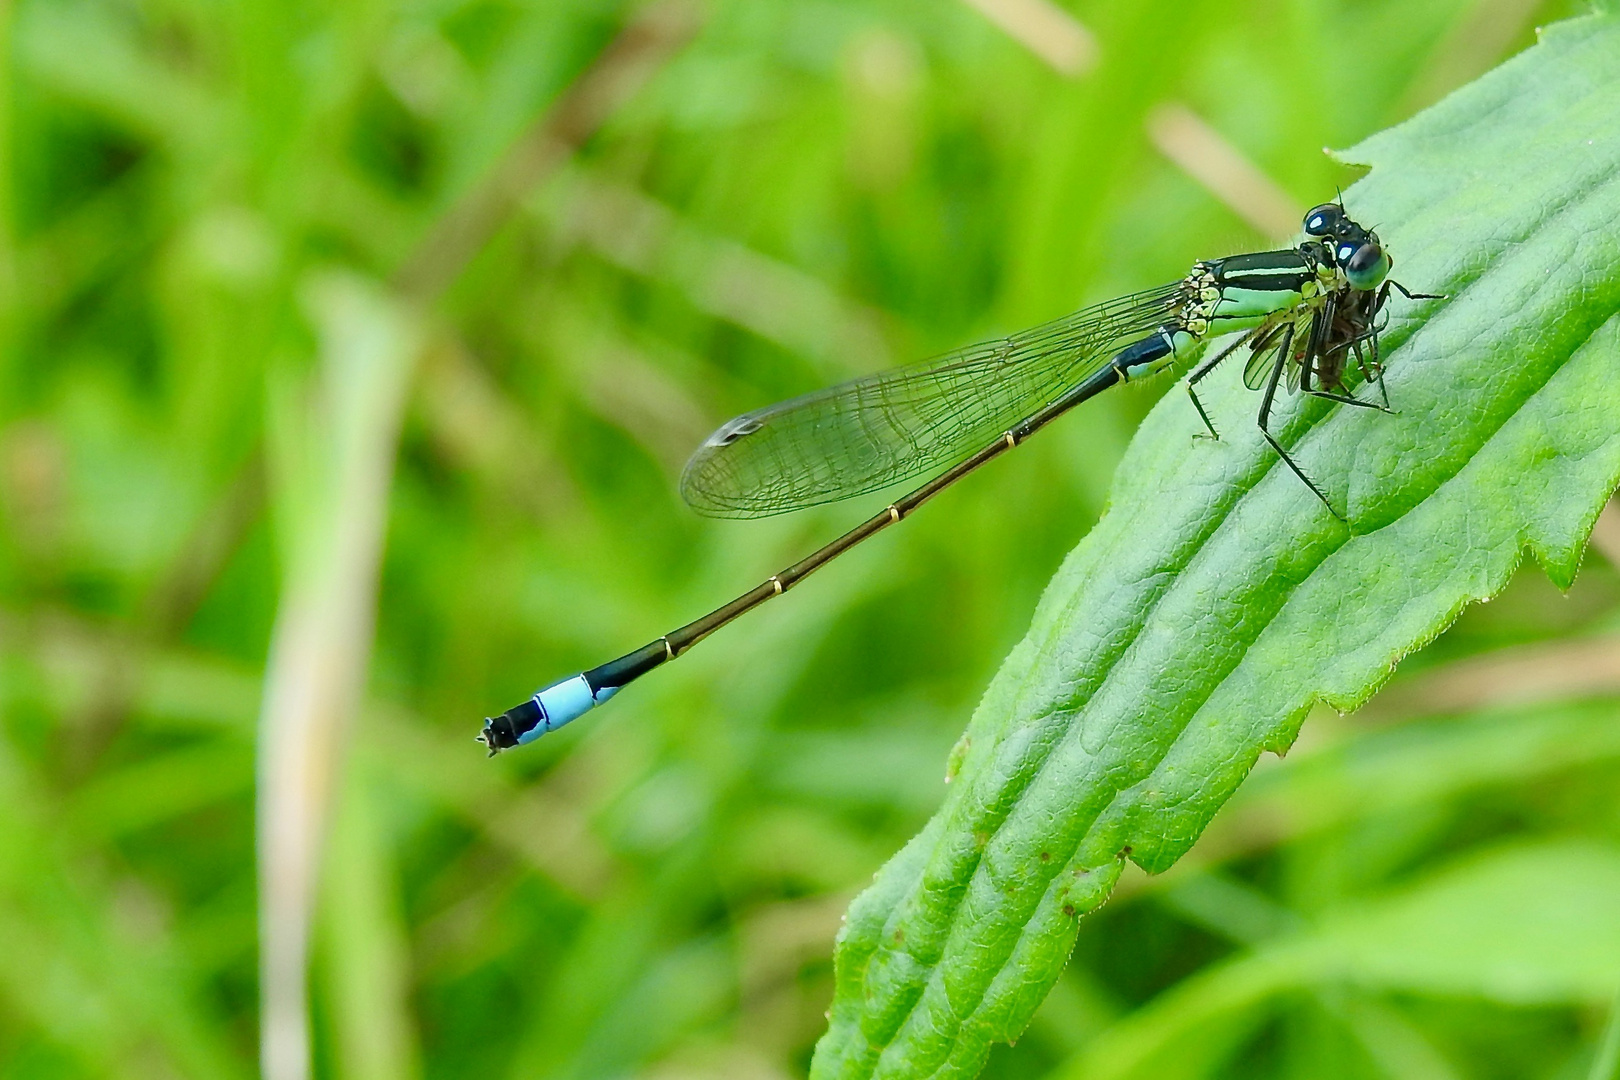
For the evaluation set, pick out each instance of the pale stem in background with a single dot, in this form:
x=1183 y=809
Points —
x=631 y=390
x=1204 y=154
x=1045 y=30
x=1522 y=675
x=478 y=428
x=336 y=480
x=1473 y=45
x=1606 y=534
x=1061 y=40
x=336 y=458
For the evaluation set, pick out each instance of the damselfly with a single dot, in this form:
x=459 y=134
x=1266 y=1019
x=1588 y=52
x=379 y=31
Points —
x=1307 y=311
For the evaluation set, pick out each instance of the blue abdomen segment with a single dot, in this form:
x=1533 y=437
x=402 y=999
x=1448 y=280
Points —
x=563 y=702
x=549 y=709
x=566 y=700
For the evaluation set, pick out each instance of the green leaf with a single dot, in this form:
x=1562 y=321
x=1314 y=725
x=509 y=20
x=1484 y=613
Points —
x=1218 y=600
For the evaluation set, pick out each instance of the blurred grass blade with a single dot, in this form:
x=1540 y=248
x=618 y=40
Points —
x=1489 y=927
x=1216 y=602
x=1395 y=1043
x=1403 y=768
x=107 y=983
x=336 y=444
x=1606 y=1066
x=641 y=49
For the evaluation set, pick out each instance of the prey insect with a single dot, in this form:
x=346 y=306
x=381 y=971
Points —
x=1306 y=313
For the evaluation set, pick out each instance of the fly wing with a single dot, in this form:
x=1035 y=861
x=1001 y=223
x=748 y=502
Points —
x=870 y=432
x=1258 y=369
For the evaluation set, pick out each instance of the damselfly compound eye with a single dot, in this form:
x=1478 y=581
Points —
x=1367 y=268
x=1323 y=220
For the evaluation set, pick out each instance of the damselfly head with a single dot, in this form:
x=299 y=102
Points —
x=1343 y=234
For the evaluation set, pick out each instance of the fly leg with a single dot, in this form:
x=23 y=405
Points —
x=1265 y=414
x=1373 y=371
x=1404 y=291
x=1373 y=374
x=1346 y=399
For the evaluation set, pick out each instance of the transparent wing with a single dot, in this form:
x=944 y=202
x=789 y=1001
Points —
x=870 y=432
x=1264 y=349
x=1263 y=352
x=1258 y=369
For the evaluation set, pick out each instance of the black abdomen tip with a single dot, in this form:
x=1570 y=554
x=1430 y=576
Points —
x=502 y=732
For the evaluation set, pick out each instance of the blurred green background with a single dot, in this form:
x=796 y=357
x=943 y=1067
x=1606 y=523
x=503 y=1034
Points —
x=325 y=322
